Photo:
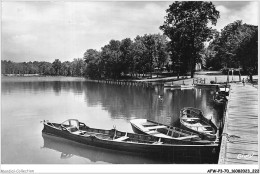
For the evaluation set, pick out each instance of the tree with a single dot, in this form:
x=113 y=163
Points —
x=235 y=46
x=209 y=53
x=126 y=57
x=92 y=59
x=150 y=53
x=111 y=59
x=161 y=53
x=66 y=68
x=45 y=68
x=186 y=25
x=247 y=51
x=91 y=55
x=138 y=53
x=78 y=67
x=56 y=65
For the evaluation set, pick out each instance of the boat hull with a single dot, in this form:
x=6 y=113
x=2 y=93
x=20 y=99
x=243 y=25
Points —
x=170 y=150
x=67 y=148
x=203 y=136
x=137 y=130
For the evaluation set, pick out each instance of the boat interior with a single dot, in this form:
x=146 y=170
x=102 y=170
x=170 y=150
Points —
x=113 y=134
x=193 y=118
x=155 y=128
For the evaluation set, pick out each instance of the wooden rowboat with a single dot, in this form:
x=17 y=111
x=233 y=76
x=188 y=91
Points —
x=193 y=120
x=77 y=131
x=223 y=89
x=220 y=99
x=67 y=149
x=153 y=128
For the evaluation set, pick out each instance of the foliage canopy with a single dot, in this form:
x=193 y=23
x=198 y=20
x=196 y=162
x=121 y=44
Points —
x=186 y=25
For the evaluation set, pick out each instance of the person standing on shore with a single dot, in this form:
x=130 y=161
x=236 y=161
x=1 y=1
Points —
x=243 y=81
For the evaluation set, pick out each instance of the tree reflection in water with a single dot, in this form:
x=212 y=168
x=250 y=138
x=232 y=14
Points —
x=137 y=102
x=28 y=100
x=127 y=102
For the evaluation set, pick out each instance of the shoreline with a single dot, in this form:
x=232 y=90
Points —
x=166 y=80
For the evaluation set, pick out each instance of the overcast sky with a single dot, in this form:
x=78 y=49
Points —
x=44 y=31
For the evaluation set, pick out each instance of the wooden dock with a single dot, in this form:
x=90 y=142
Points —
x=239 y=143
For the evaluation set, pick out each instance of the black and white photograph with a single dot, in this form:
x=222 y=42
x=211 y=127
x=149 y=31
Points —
x=129 y=86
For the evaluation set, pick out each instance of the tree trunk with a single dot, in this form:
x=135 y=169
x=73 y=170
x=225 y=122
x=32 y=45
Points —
x=193 y=60
x=193 y=68
x=251 y=78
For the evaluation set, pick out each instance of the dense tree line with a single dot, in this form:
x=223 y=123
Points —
x=235 y=46
x=57 y=68
x=185 y=31
x=116 y=59
x=127 y=57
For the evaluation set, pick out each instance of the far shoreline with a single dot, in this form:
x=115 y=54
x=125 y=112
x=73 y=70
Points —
x=166 y=80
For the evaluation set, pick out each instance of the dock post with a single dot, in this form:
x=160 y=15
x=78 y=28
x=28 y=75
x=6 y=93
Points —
x=228 y=77
x=232 y=75
x=204 y=80
x=215 y=79
x=239 y=76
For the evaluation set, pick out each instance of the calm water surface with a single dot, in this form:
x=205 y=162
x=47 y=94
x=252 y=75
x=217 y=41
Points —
x=28 y=100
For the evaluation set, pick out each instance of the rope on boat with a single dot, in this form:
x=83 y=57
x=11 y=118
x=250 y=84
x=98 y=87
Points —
x=230 y=137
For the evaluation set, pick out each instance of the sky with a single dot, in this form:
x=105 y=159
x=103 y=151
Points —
x=45 y=30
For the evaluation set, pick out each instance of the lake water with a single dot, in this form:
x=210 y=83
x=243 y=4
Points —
x=28 y=100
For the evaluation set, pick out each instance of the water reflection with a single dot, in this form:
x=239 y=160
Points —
x=29 y=100
x=155 y=104
x=127 y=102
x=42 y=86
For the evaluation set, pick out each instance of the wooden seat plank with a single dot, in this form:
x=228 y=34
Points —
x=121 y=138
x=156 y=127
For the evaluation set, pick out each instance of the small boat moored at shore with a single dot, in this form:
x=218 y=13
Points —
x=156 y=129
x=193 y=120
x=113 y=139
x=223 y=89
x=66 y=149
x=220 y=99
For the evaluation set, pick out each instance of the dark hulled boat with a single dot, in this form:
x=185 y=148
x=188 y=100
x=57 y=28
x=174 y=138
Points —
x=223 y=89
x=122 y=141
x=220 y=99
x=68 y=149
